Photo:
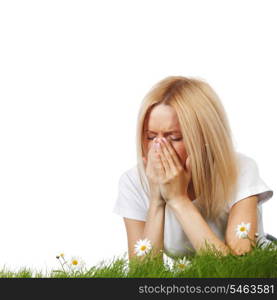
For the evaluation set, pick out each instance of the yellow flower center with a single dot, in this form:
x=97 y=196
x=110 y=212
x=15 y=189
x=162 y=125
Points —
x=74 y=262
x=242 y=229
x=143 y=247
x=62 y=255
x=181 y=266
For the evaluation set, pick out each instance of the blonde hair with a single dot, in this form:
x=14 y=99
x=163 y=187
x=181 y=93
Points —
x=207 y=137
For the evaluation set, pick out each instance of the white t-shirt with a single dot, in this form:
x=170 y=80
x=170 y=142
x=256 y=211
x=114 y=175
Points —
x=133 y=203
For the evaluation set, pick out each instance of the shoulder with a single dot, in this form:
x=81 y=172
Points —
x=131 y=182
x=248 y=170
x=249 y=181
x=131 y=201
x=246 y=163
x=130 y=177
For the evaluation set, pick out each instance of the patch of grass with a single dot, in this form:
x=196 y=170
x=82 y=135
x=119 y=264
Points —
x=259 y=263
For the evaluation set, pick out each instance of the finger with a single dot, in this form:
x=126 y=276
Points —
x=164 y=159
x=173 y=155
x=188 y=165
x=159 y=165
x=154 y=160
x=169 y=155
x=150 y=151
x=144 y=161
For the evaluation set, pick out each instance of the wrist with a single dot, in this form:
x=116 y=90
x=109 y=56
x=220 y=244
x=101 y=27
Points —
x=175 y=203
x=157 y=202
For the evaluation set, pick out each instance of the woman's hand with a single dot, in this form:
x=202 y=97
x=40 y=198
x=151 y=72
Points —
x=173 y=178
x=152 y=175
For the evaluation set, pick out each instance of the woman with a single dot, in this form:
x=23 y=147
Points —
x=190 y=187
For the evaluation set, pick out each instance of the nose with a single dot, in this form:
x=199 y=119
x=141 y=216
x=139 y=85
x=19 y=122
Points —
x=158 y=139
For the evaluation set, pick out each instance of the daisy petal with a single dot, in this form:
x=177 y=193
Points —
x=142 y=247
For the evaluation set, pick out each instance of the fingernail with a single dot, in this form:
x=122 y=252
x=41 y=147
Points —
x=164 y=139
x=157 y=145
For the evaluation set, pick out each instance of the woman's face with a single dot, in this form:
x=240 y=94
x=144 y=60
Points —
x=163 y=122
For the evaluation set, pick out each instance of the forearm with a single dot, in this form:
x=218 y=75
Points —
x=154 y=226
x=195 y=226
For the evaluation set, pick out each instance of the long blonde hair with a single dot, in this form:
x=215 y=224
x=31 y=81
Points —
x=207 y=137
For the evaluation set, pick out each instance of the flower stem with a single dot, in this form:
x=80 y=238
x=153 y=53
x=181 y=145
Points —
x=62 y=265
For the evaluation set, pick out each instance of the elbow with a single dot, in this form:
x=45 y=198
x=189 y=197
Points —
x=239 y=251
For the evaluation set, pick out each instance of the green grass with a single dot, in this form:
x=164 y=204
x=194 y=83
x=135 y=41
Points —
x=259 y=263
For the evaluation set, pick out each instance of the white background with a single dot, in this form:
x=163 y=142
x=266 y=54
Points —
x=73 y=75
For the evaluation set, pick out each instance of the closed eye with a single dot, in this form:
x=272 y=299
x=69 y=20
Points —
x=172 y=139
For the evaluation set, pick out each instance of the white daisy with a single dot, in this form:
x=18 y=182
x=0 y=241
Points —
x=168 y=262
x=182 y=264
x=76 y=263
x=142 y=247
x=242 y=230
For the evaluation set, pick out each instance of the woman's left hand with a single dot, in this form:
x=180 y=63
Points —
x=173 y=178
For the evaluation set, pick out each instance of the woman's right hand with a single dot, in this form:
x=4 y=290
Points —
x=151 y=175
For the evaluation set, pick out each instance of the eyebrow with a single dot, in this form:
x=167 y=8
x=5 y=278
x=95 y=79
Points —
x=172 y=131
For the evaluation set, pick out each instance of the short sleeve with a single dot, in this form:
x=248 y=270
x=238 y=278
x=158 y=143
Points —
x=250 y=183
x=130 y=202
